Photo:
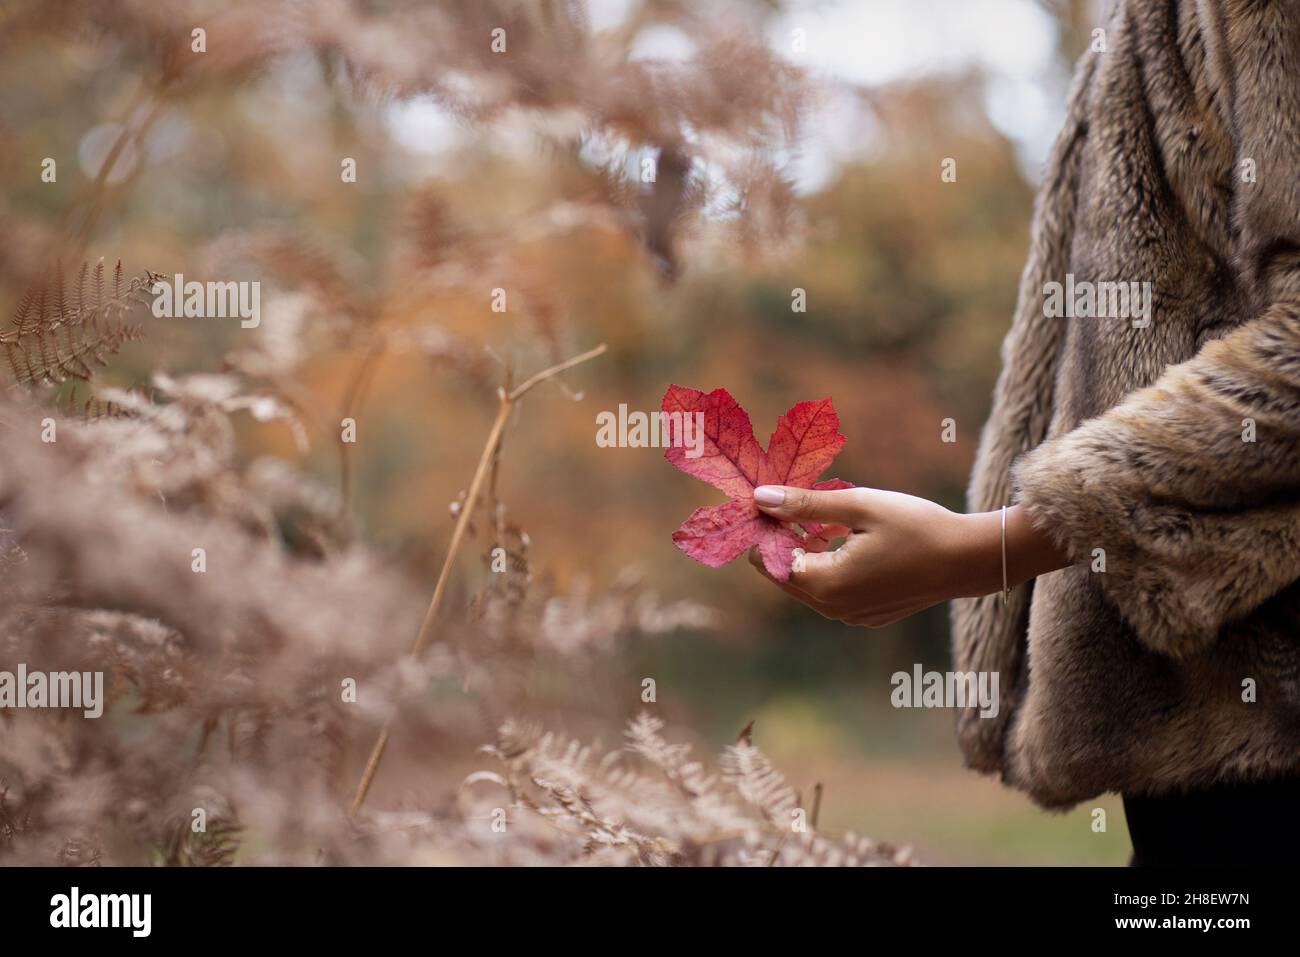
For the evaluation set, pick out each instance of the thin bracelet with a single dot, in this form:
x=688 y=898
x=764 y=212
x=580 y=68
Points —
x=1006 y=589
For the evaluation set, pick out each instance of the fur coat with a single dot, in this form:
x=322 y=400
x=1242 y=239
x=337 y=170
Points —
x=1164 y=457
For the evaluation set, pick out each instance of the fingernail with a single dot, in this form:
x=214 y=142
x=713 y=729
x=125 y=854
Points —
x=769 y=495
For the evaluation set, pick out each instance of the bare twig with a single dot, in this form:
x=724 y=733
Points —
x=509 y=397
x=348 y=410
x=553 y=371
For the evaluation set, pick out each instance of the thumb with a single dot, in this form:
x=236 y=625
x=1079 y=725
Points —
x=837 y=506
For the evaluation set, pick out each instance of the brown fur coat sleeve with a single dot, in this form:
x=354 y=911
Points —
x=1199 y=525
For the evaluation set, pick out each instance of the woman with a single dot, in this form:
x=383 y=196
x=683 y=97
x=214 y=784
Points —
x=1150 y=640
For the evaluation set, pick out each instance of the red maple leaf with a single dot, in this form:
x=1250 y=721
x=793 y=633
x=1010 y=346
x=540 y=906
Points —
x=806 y=441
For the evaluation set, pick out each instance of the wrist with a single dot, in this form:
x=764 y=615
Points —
x=975 y=552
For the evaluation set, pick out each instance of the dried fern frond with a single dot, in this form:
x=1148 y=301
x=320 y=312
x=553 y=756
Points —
x=79 y=852
x=139 y=654
x=12 y=822
x=215 y=846
x=645 y=739
x=614 y=813
x=748 y=769
x=93 y=409
x=61 y=330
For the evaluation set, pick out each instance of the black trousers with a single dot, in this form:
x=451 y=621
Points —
x=1228 y=824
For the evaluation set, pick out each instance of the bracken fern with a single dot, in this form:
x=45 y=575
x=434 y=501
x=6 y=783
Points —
x=61 y=331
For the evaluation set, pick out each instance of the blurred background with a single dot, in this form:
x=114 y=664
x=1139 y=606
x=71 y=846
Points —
x=794 y=144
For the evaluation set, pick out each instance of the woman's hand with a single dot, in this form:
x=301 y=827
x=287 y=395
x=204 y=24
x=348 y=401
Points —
x=902 y=553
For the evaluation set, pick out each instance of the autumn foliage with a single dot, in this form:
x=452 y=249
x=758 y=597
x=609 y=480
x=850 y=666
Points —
x=806 y=441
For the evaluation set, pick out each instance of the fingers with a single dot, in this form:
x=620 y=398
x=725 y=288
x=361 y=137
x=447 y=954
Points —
x=839 y=507
x=818 y=576
x=824 y=581
x=827 y=579
x=792 y=590
x=814 y=581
